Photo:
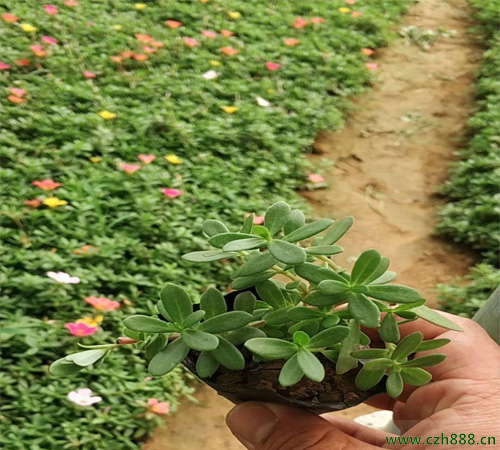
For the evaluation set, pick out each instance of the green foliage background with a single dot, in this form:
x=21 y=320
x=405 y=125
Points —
x=232 y=164
x=472 y=215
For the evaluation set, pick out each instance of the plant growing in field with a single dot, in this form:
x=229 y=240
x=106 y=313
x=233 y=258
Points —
x=294 y=304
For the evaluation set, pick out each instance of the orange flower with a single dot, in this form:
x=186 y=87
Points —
x=143 y=37
x=300 y=22
x=356 y=14
x=71 y=3
x=173 y=24
x=86 y=249
x=46 y=185
x=140 y=57
x=226 y=33
x=317 y=20
x=127 y=55
x=116 y=59
x=157 y=44
x=9 y=18
x=38 y=50
x=291 y=42
x=22 y=62
x=35 y=203
x=229 y=51
x=15 y=99
x=367 y=51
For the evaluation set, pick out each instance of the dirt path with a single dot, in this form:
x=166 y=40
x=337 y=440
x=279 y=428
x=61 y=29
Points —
x=389 y=160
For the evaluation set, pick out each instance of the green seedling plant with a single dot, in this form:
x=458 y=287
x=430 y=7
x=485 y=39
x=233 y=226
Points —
x=295 y=304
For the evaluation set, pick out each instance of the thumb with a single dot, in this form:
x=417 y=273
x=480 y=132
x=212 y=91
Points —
x=266 y=426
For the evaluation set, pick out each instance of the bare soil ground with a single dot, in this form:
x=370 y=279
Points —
x=389 y=160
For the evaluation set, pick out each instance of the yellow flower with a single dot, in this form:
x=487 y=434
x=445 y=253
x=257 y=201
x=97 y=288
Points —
x=54 y=202
x=215 y=63
x=117 y=27
x=95 y=159
x=230 y=109
x=28 y=28
x=234 y=14
x=173 y=159
x=271 y=91
x=141 y=6
x=344 y=10
x=106 y=115
x=91 y=321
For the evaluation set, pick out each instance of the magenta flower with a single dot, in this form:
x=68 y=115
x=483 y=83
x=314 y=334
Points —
x=80 y=329
x=4 y=66
x=50 y=40
x=147 y=159
x=272 y=66
x=51 y=9
x=89 y=75
x=171 y=193
x=129 y=168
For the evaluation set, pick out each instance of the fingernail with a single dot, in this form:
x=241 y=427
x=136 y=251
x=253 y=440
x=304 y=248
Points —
x=252 y=422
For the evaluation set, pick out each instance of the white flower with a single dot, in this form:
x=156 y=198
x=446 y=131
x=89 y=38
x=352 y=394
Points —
x=263 y=102
x=63 y=277
x=210 y=75
x=83 y=397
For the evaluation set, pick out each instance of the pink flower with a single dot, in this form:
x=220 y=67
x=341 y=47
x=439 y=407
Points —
x=209 y=34
x=317 y=20
x=88 y=75
x=371 y=66
x=46 y=185
x=191 y=42
x=171 y=193
x=356 y=14
x=17 y=92
x=103 y=303
x=158 y=407
x=350 y=2
x=51 y=9
x=38 y=50
x=300 y=22
x=129 y=168
x=315 y=178
x=80 y=329
x=50 y=40
x=272 y=66
x=4 y=66
x=257 y=220
x=146 y=159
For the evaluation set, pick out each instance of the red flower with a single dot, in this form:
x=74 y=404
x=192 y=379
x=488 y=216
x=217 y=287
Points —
x=272 y=66
x=46 y=185
x=22 y=62
x=9 y=18
x=35 y=203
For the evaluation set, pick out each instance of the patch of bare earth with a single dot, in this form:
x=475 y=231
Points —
x=389 y=160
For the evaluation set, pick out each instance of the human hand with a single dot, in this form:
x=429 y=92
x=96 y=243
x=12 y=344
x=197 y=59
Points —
x=463 y=398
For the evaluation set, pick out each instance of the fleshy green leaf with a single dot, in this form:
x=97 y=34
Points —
x=271 y=348
x=303 y=313
x=169 y=358
x=329 y=337
x=383 y=265
x=206 y=365
x=228 y=355
x=332 y=287
x=435 y=317
x=324 y=250
x=407 y=346
x=287 y=253
x=199 y=340
x=291 y=373
x=370 y=353
x=310 y=365
x=379 y=363
x=365 y=266
x=193 y=319
x=220 y=240
x=389 y=329
x=176 y=302
x=63 y=368
x=248 y=224
x=241 y=335
x=337 y=231
x=86 y=358
x=271 y=294
x=425 y=361
x=318 y=299
x=432 y=344
x=212 y=227
x=394 y=384
x=244 y=244
x=246 y=282
x=207 y=256
x=155 y=345
x=262 y=232
x=366 y=379
x=257 y=264
x=301 y=338
x=276 y=317
x=394 y=293
x=213 y=303
x=296 y=220
x=245 y=302
x=226 y=322
x=386 y=277
x=146 y=324
x=309 y=230
x=276 y=217
x=416 y=376
x=345 y=361
x=316 y=274
x=364 y=310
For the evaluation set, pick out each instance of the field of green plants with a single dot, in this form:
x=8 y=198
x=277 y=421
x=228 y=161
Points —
x=471 y=216
x=122 y=124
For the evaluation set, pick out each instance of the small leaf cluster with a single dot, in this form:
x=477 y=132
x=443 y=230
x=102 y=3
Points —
x=294 y=304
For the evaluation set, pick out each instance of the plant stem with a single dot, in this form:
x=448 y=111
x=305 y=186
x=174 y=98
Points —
x=333 y=265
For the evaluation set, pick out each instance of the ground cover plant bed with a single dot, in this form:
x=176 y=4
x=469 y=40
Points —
x=294 y=331
x=121 y=122
x=471 y=216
